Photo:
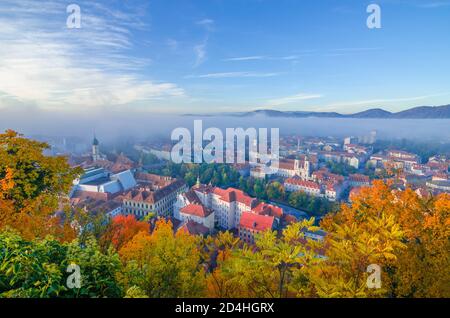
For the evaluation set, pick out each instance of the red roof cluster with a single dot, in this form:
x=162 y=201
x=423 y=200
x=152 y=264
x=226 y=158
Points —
x=256 y=222
x=194 y=228
x=359 y=178
x=196 y=210
x=286 y=164
x=233 y=195
x=268 y=209
x=303 y=183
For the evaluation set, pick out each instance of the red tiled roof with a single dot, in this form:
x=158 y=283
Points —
x=268 y=209
x=330 y=186
x=286 y=164
x=232 y=195
x=84 y=195
x=256 y=222
x=192 y=197
x=441 y=176
x=359 y=178
x=152 y=196
x=196 y=209
x=194 y=228
x=303 y=183
x=154 y=179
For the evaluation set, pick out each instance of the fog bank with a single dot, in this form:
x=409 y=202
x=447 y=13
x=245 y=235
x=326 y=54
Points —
x=110 y=125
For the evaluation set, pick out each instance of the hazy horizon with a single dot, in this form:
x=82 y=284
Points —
x=110 y=125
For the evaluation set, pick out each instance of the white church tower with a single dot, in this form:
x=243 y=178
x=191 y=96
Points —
x=95 y=150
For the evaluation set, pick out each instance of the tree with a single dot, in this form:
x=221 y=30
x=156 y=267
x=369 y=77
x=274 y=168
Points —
x=270 y=268
x=258 y=189
x=98 y=269
x=30 y=269
x=275 y=191
x=37 y=268
x=33 y=173
x=163 y=264
x=38 y=181
x=405 y=235
x=122 y=229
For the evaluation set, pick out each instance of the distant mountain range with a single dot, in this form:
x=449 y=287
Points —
x=422 y=112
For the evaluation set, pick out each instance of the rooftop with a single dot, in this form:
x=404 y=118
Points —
x=257 y=222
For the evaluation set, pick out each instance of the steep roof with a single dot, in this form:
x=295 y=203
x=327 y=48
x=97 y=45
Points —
x=234 y=195
x=303 y=183
x=268 y=209
x=256 y=222
x=359 y=178
x=193 y=228
x=147 y=195
x=196 y=210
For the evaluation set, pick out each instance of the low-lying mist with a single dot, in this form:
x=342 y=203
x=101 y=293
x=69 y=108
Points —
x=110 y=125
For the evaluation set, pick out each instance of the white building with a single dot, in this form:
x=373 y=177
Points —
x=100 y=180
x=147 y=199
x=289 y=168
x=309 y=187
x=199 y=214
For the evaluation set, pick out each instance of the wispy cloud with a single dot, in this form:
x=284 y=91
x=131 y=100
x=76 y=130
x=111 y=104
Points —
x=246 y=58
x=208 y=24
x=200 y=50
x=200 y=53
x=262 y=58
x=292 y=99
x=379 y=102
x=434 y=5
x=46 y=64
x=233 y=75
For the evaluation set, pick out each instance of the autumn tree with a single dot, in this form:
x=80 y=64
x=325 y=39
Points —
x=122 y=229
x=217 y=249
x=407 y=236
x=273 y=266
x=32 y=185
x=163 y=264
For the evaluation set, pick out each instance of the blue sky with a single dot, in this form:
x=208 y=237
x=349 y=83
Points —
x=224 y=55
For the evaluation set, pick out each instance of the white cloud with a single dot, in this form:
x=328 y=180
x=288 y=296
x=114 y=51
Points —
x=246 y=58
x=433 y=5
x=208 y=24
x=200 y=53
x=45 y=64
x=262 y=57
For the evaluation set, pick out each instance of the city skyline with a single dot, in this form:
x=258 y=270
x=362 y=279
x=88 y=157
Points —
x=218 y=56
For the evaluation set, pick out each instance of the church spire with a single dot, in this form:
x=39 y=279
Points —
x=198 y=184
x=95 y=149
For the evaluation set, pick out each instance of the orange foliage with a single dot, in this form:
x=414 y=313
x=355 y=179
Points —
x=123 y=229
x=421 y=268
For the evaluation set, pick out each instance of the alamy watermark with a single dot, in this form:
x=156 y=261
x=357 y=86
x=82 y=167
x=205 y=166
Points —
x=238 y=145
x=374 y=279
x=74 y=19
x=374 y=19
x=74 y=279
